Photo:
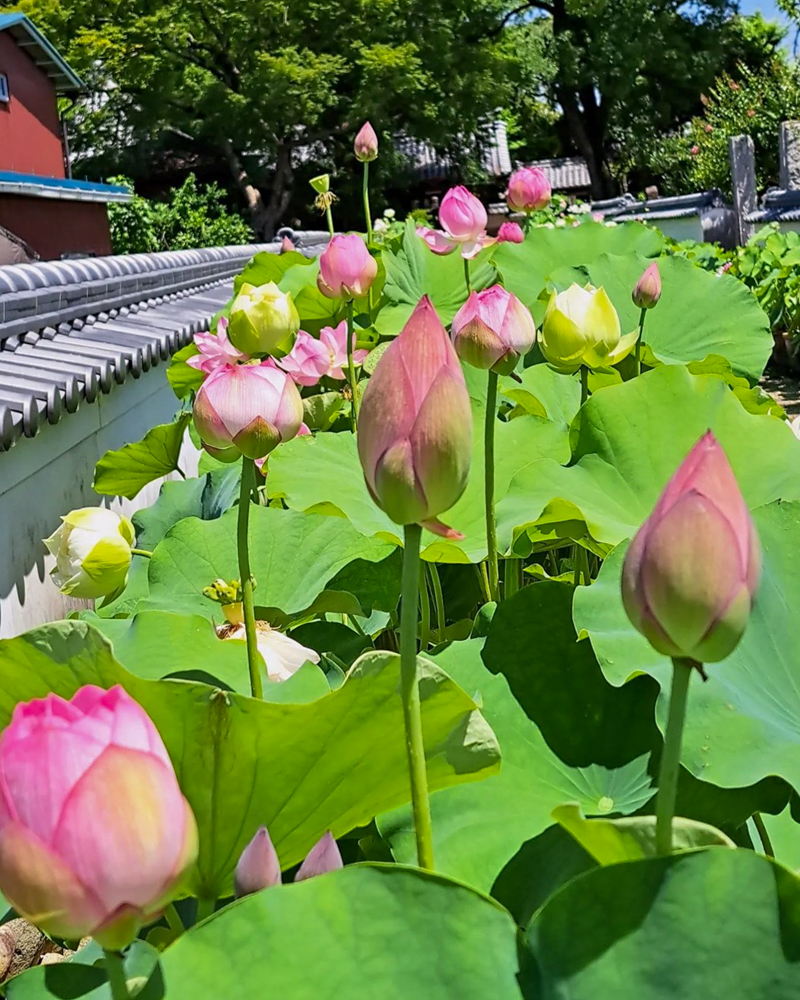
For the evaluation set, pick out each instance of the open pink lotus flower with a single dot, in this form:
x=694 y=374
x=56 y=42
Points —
x=692 y=570
x=216 y=350
x=415 y=425
x=311 y=359
x=252 y=408
x=463 y=219
x=95 y=835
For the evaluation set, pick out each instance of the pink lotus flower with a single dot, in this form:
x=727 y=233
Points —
x=346 y=268
x=259 y=867
x=252 y=408
x=528 y=190
x=415 y=425
x=647 y=291
x=216 y=351
x=493 y=329
x=310 y=359
x=95 y=835
x=510 y=232
x=692 y=570
x=463 y=219
x=366 y=143
x=694 y=150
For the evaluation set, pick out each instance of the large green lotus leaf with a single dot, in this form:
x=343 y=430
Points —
x=323 y=474
x=206 y=497
x=294 y=558
x=477 y=833
x=332 y=764
x=743 y=724
x=699 y=313
x=129 y=469
x=361 y=933
x=415 y=271
x=157 y=644
x=718 y=924
x=265 y=267
x=632 y=438
x=526 y=267
x=545 y=393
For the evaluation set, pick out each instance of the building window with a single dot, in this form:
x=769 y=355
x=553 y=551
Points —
x=5 y=97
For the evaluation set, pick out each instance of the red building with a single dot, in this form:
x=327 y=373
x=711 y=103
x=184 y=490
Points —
x=41 y=207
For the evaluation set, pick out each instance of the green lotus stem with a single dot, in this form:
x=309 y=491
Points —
x=513 y=576
x=253 y=658
x=438 y=597
x=763 y=835
x=584 y=384
x=115 y=970
x=205 y=907
x=671 y=754
x=409 y=692
x=488 y=478
x=142 y=552
x=483 y=582
x=639 y=342
x=466 y=275
x=583 y=561
x=365 y=191
x=424 y=612
x=329 y=217
x=576 y=566
x=351 y=368
x=173 y=918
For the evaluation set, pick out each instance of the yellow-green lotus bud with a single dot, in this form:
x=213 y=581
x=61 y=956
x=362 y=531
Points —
x=581 y=327
x=263 y=320
x=92 y=548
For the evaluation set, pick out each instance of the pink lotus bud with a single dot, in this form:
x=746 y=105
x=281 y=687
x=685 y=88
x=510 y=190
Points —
x=415 y=423
x=258 y=866
x=493 y=329
x=95 y=835
x=323 y=857
x=528 y=190
x=692 y=570
x=250 y=407
x=366 y=143
x=286 y=245
x=648 y=288
x=462 y=215
x=346 y=269
x=510 y=232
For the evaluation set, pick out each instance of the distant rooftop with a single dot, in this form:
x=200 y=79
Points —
x=428 y=164
x=567 y=173
x=682 y=206
x=31 y=40
x=37 y=186
x=777 y=206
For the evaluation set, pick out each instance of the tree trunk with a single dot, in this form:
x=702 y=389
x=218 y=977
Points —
x=264 y=216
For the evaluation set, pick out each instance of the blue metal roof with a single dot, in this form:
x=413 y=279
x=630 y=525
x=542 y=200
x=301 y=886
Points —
x=31 y=40
x=34 y=185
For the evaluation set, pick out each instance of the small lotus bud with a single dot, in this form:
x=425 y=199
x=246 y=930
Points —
x=346 y=268
x=258 y=866
x=366 y=143
x=286 y=245
x=648 y=288
x=323 y=857
x=93 y=552
x=510 y=232
x=493 y=329
x=692 y=569
x=263 y=320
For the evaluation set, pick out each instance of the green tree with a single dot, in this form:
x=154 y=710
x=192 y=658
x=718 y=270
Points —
x=265 y=85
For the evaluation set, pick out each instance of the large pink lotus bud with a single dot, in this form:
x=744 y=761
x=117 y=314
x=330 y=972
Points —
x=528 y=190
x=95 y=835
x=462 y=215
x=415 y=424
x=692 y=570
x=493 y=329
x=647 y=290
x=250 y=407
x=346 y=268
x=366 y=143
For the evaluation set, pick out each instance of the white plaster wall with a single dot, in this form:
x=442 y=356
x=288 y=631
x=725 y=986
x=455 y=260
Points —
x=50 y=474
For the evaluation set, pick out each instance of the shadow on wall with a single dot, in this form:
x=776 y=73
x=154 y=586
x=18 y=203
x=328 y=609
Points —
x=44 y=477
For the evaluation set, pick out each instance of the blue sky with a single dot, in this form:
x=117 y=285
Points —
x=767 y=7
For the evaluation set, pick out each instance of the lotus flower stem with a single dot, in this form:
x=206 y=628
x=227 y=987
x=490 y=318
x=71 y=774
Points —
x=763 y=835
x=329 y=217
x=424 y=611
x=205 y=908
x=466 y=275
x=173 y=918
x=351 y=368
x=671 y=754
x=483 y=581
x=367 y=212
x=488 y=450
x=513 y=574
x=142 y=552
x=638 y=350
x=253 y=658
x=438 y=597
x=115 y=970
x=409 y=690
x=584 y=384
